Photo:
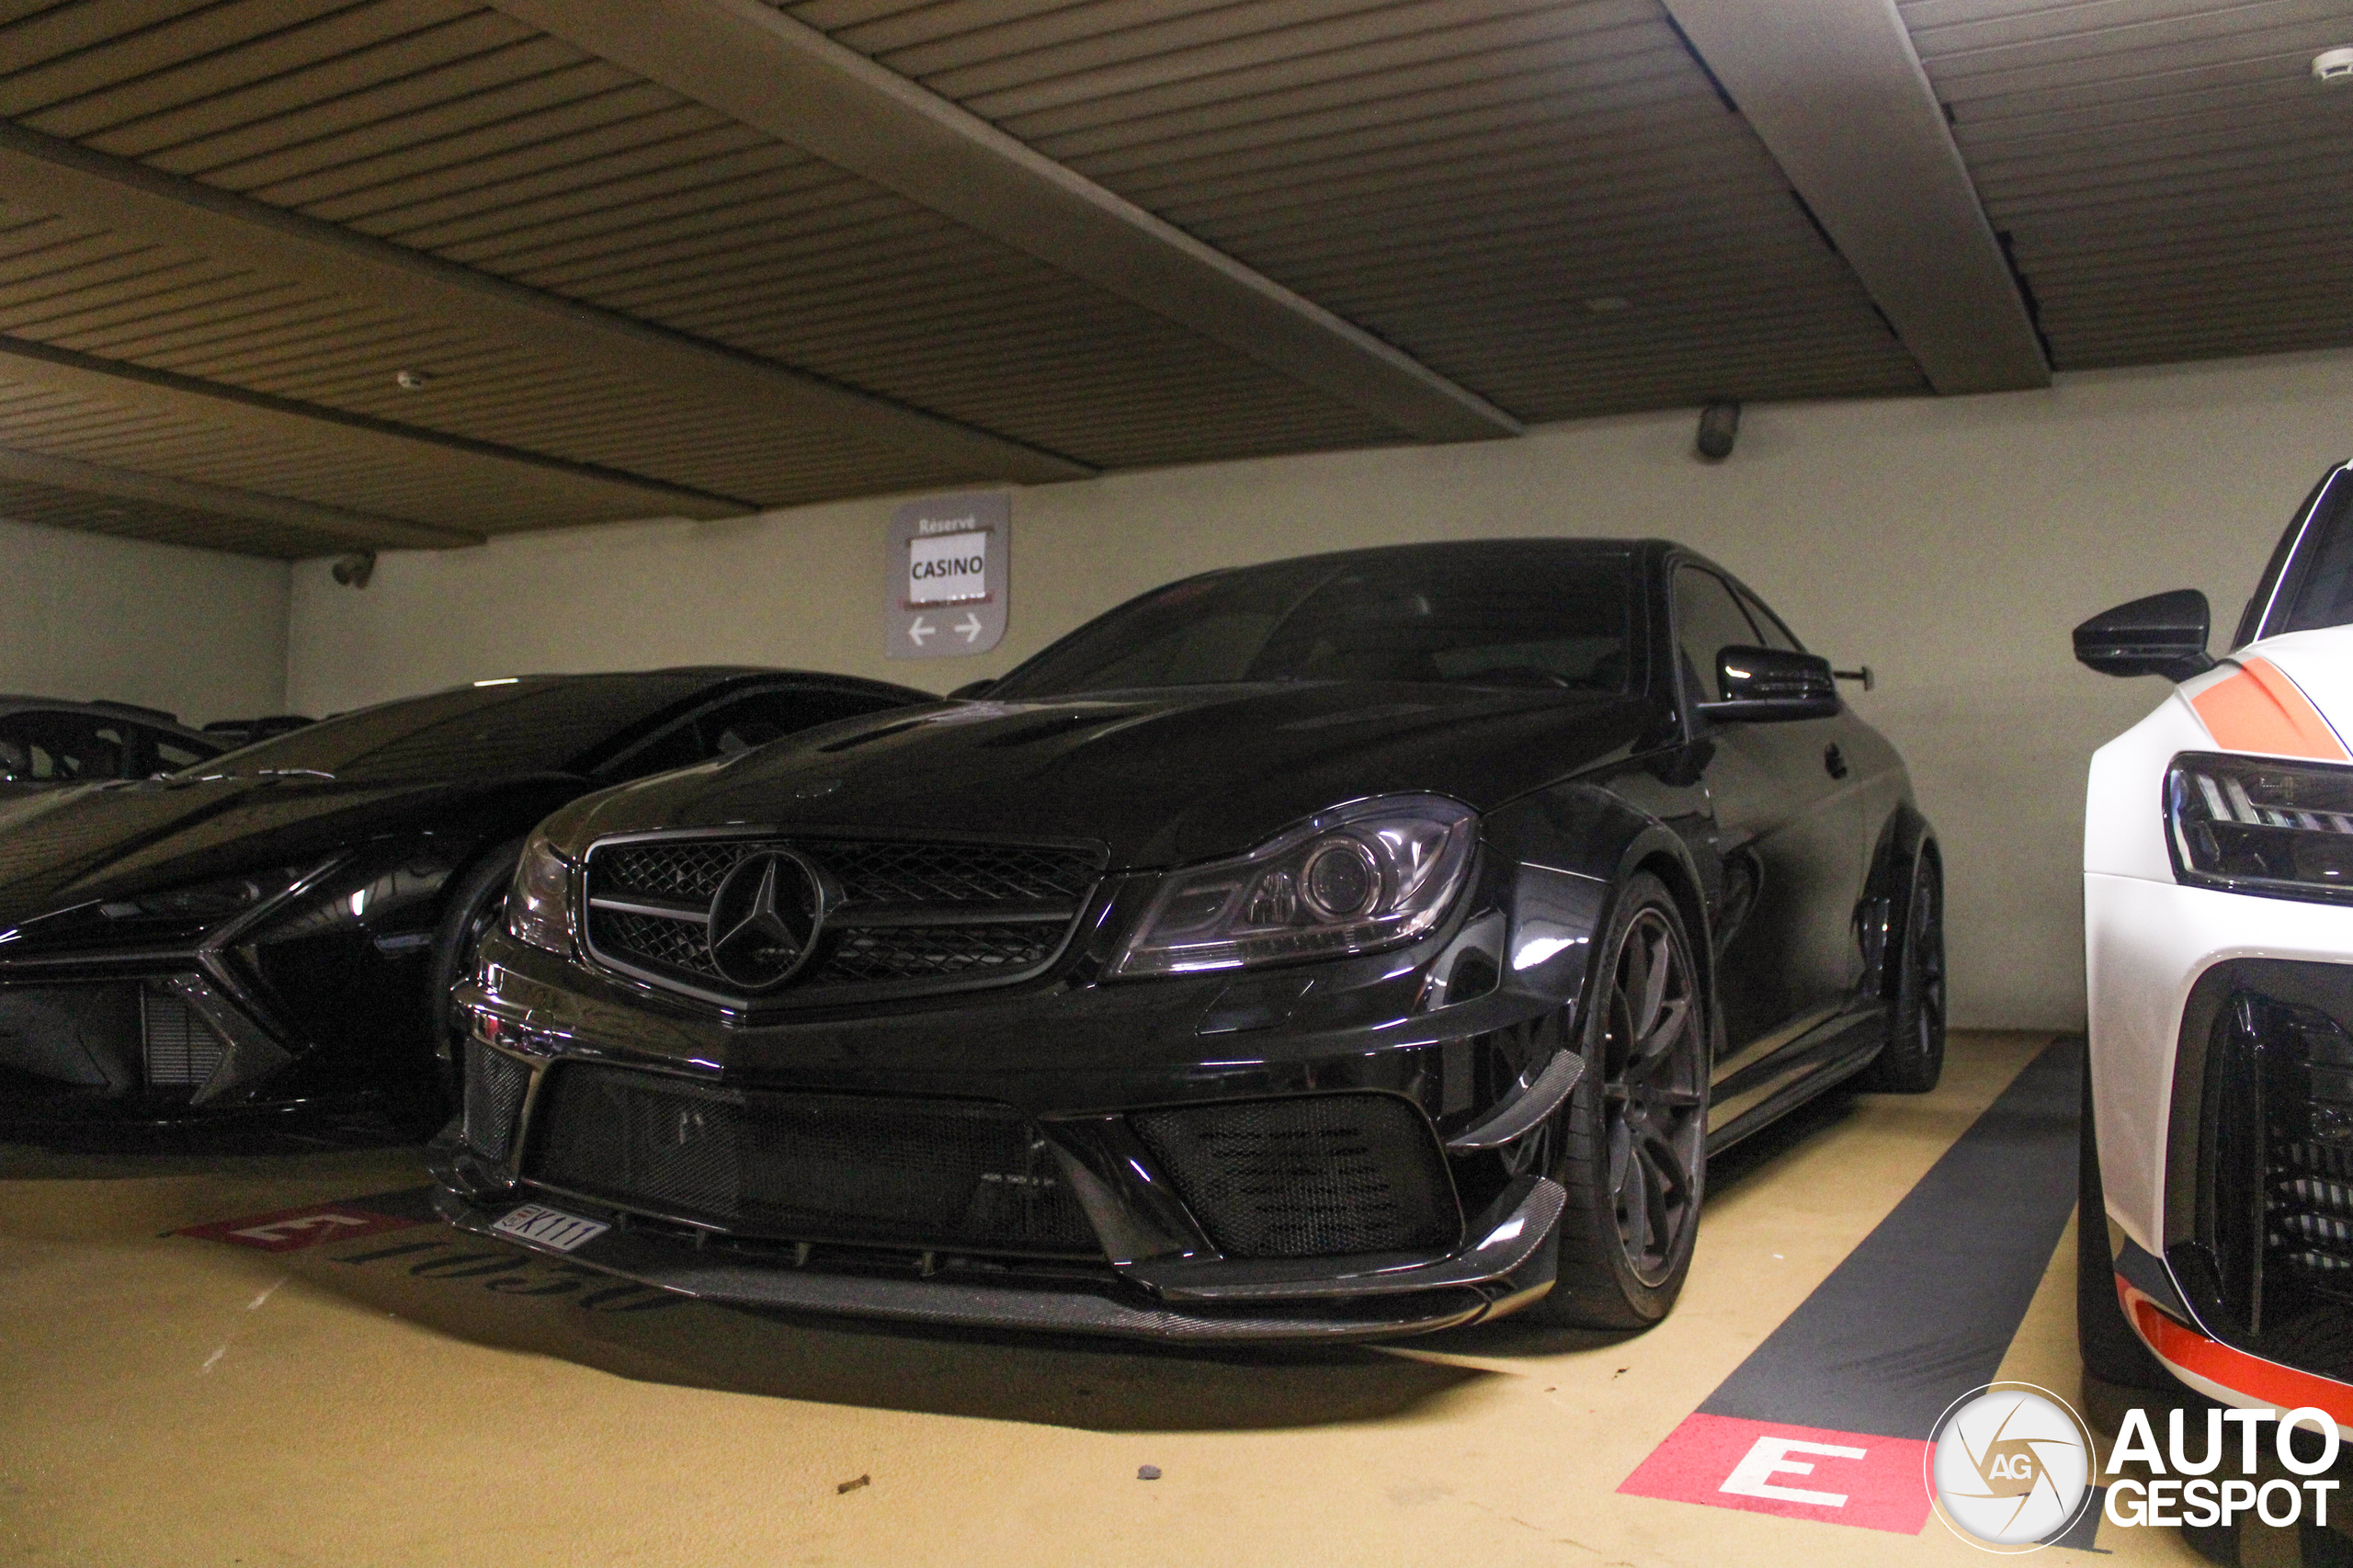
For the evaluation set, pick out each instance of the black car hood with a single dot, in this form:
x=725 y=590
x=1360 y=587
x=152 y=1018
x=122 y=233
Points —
x=69 y=846
x=1160 y=778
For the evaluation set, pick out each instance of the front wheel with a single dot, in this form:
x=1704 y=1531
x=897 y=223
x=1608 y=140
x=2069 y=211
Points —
x=476 y=902
x=1633 y=1138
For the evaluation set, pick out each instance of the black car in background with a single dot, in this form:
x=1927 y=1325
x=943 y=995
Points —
x=46 y=744
x=279 y=927
x=1347 y=946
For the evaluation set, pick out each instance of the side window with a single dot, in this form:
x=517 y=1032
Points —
x=171 y=754
x=59 y=748
x=1708 y=619
x=114 y=752
x=1769 y=626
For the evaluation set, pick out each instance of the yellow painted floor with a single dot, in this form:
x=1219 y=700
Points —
x=166 y=1399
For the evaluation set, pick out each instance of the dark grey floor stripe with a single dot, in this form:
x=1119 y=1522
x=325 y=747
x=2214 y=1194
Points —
x=1923 y=1310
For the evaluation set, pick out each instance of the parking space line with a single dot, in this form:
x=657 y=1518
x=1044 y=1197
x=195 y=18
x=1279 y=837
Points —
x=1844 y=1393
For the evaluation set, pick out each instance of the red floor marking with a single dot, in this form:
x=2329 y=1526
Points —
x=1798 y=1473
x=290 y=1229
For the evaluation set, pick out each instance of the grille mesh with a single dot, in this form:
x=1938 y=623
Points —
x=181 y=1048
x=877 y=877
x=916 y=952
x=1318 y=1175
x=495 y=1082
x=803 y=1166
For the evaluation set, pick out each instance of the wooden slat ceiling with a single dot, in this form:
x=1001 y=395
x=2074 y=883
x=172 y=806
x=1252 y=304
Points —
x=1459 y=176
x=2175 y=184
x=1548 y=203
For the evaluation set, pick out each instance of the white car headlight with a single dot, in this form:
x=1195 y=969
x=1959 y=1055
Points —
x=1367 y=875
x=2253 y=824
x=538 y=906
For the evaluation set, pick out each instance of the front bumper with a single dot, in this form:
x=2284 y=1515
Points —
x=2222 y=1074
x=155 y=1045
x=1114 y=1232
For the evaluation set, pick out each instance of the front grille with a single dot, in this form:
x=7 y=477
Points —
x=908 y=916
x=182 y=1050
x=495 y=1083
x=918 y=1174
x=1314 y=1176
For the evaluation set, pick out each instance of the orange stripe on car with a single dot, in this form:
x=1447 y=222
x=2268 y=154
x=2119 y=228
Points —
x=2260 y=710
x=2282 y=1388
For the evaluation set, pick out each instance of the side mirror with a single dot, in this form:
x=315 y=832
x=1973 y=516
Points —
x=970 y=688
x=2164 y=634
x=1767 y=685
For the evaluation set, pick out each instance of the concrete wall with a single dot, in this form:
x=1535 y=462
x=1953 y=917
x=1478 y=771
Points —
x=194 y=631
x=1950 y=544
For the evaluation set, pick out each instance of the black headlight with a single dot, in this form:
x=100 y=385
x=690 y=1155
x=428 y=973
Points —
x=538 y=906
x=2252 y=824
x=1370 y=874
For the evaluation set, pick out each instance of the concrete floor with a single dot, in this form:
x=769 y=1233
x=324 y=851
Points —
x=168 y=1398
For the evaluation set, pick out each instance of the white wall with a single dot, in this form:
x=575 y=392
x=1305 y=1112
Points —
x=1951 y=544
x=193 y=631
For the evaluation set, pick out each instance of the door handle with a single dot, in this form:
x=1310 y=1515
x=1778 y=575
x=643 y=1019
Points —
x=1834 y=761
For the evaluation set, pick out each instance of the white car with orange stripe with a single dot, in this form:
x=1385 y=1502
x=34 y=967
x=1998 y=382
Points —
x=2218 y=915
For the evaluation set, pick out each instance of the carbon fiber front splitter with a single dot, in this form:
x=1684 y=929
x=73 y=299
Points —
x=1314 y=1300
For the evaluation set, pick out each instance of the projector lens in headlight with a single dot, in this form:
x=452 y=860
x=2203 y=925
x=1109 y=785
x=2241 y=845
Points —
x=2283 y=829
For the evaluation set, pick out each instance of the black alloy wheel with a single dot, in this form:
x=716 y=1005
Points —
x=1633 y=1135
x=1913 y=1060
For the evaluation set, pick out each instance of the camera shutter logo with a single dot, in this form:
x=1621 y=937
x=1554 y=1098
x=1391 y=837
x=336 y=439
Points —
x=2009 y=1467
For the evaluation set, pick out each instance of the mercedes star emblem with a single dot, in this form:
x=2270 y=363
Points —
x=765 y=918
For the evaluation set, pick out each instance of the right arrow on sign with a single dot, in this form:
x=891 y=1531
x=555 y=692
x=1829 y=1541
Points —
x=920 y=630
x=969 y=626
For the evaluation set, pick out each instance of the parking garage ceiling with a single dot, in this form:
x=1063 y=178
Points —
x=288 y=277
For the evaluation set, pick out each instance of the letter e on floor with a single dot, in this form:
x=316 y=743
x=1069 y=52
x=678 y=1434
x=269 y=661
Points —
x=1798 y=1473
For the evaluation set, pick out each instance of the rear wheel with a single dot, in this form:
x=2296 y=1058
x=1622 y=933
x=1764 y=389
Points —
x=1633 y=1138
x=1914 y=1057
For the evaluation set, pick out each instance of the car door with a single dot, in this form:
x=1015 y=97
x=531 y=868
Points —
x=1786 y=956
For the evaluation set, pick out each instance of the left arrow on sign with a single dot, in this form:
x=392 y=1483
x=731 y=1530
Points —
x=920 y=630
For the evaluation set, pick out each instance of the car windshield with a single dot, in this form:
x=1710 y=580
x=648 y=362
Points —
x=542 y=724
x=2319 y=588
x=1526 y=615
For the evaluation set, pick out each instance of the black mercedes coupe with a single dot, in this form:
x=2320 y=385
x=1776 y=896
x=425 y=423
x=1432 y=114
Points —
x=1342 y=946
x=277 y=929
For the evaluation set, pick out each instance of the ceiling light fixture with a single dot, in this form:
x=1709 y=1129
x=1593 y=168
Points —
x=410 y=380
x=2333 y=66
x=1609 y=304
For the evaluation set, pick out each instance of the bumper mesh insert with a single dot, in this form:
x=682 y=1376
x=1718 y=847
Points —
x=1314 y=1176
x=495 y=1083
x=911 y=1173
x=182 y=1049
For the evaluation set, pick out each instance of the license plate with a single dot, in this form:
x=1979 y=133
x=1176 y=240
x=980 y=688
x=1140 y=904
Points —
x=549 y=1227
